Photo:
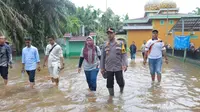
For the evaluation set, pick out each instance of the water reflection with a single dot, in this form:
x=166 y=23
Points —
x=178 y=91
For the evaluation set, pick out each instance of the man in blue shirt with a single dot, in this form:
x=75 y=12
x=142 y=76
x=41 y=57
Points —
x=30 y=60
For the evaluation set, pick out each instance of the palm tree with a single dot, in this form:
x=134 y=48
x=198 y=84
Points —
x=11 y=22
x=37 y=18
x=90 y=18
x=126 y=17
x=197 y=11
x=71 y=26
x=40 y=18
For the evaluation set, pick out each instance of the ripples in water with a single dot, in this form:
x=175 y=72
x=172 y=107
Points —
x=178 y=91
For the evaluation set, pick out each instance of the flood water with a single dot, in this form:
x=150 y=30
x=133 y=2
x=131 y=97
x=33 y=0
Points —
x=179 y=91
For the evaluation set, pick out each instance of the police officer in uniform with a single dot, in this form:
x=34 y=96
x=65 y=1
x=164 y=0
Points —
x=113 y=61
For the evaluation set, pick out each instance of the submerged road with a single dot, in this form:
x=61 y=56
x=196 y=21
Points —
x=179 y=91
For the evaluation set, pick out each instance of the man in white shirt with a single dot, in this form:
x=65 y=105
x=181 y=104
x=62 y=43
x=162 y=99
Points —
x=154 y=51
x=55 y=58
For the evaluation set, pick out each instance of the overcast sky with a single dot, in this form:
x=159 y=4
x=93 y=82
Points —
x=134 y=9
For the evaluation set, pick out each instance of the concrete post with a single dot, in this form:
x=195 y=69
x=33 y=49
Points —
x=173 y=36
x=185 y=50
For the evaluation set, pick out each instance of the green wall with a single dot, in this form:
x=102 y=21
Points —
x=75 y=48
x=67 y=46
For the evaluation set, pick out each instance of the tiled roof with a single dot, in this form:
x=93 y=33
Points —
x=190 y=24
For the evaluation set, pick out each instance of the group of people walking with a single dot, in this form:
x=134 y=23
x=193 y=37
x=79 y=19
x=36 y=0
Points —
x=31 y=59
x=111 y=60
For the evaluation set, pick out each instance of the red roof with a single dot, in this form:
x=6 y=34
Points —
x=67 y=35
x=92 y=34
x=78 y=38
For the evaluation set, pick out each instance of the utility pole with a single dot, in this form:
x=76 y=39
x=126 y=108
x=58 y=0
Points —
x=106 y=4
x=106 y=13
x=167 y=27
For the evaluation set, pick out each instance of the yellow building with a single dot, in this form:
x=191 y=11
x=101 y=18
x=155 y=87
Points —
x=165 y=17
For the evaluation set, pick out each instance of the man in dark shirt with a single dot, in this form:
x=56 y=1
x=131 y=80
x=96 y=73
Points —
x=5 y=59
x=133 y=50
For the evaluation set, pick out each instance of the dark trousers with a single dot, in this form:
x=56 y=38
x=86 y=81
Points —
x=31 y=74
x=133 y=55
x=119 y=77
x=4 y=72
x=143 y=54
x=91 y=77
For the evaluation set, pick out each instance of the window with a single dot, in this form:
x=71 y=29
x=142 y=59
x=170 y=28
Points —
x=194 y=37
x=162 y=22
x=171 y=22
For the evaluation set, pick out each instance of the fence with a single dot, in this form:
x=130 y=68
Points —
x=195 y=55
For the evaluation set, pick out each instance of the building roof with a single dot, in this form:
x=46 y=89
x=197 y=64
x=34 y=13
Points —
x=137 y=20
x=172 y=16
x=159 y=16
x=77 y=38
x=159 y=4
x=142 y=23
x=67 y=35
x=121 y=32
x=92 y=34
x=161 y=10
x=144 y=27
x=190 y=24
x=168 y=9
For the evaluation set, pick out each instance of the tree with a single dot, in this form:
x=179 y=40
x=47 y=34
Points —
x=40 y=18
x=71 y=26
x=89 y=18
x=36 y=18
x=98 y=21
x=126 y=17
x=12 y=22
x=48 y=19
x=197 y=11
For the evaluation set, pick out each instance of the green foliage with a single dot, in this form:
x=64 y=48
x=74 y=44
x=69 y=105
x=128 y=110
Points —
x=40 y=18
x=196 y=11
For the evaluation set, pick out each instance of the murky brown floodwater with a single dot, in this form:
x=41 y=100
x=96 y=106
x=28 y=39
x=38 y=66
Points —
x=178 y=92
